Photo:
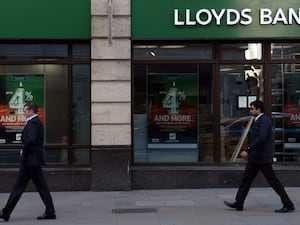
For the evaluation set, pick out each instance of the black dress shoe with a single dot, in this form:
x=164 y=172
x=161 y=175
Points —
x=47 y=217
x=285 y=209
x=4 y=217
x=234 y=205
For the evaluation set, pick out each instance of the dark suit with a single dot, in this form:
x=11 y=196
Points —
x=32 y=160
x=260 y=158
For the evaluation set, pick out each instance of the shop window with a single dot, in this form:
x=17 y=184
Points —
x=65 y=113
x=244 y=76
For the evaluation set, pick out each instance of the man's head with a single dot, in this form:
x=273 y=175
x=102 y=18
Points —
x=257 y=107
x=30 y=109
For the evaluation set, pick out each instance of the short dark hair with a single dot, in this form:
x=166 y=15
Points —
x=31 y=106
x=258 y=105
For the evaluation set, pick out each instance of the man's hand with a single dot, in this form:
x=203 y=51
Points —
x=244 y=154
x=21 y=152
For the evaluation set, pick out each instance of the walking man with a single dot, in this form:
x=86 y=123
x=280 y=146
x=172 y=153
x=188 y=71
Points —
x=32 y=160
x=260 y=158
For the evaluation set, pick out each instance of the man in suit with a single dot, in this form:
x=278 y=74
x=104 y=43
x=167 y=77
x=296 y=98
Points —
x=32 y=160
x=260 y=158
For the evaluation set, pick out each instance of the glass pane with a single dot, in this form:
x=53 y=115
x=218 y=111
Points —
x=56 y=156
x=206 y=141
x=9 y=156
x=81 y=156
x=285 y=50
x=286 y=111
x=81 y=51
x=81 y=104
x=54 y=95
x=242 y=51
x=33 y=51
x=166 y=113
x=178 y=51
x=239 y=86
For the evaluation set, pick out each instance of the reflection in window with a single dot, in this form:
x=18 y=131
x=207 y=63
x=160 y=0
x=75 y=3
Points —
x=239 y=86
x=286 y=111
x=285 y=50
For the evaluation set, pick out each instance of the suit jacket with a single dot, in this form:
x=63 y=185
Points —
x=260 y=138
x=33 y=141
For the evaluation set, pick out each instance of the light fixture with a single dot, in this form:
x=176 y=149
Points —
x=253 y=51
x=172 y=46
x=145 y=46
x=152 y=53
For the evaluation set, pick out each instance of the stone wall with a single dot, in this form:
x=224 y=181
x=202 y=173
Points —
x=111 y=91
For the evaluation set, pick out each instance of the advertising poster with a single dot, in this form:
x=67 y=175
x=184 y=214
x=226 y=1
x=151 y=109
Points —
x=172 y=115
x=15 y=91
x=292 y=108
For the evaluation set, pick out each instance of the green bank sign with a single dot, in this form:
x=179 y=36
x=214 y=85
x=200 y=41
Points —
x=45 y=19
x=169 y=19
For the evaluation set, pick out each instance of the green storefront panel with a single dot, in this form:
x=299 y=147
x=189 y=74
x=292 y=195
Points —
x=202 y=19
x=45 y=19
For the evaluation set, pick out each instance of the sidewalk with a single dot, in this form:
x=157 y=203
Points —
x=157 y=207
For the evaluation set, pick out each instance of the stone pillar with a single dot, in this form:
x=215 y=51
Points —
x=111 y=95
